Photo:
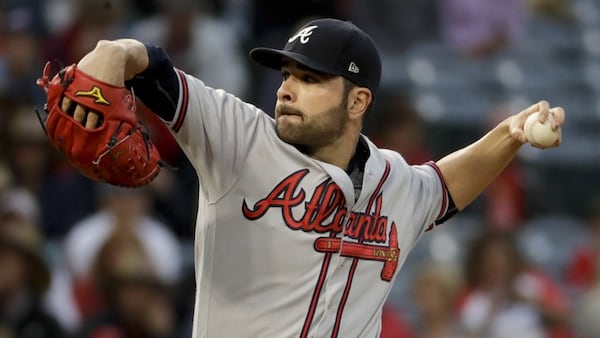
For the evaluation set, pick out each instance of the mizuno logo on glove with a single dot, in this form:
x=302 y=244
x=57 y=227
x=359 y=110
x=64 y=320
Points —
x=95 y=92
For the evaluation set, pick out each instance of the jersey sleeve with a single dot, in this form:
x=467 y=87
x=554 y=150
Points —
x=213 y=128
x=431 y=195
x=216 y=131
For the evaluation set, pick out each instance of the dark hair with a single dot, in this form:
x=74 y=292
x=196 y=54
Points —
x=476 y=255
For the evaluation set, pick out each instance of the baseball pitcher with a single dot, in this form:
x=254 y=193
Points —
x=303 y=223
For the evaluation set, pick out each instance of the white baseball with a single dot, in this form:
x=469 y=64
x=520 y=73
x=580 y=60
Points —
x=540 y=133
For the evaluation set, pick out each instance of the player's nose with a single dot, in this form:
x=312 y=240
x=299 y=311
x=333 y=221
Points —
x=285 y=93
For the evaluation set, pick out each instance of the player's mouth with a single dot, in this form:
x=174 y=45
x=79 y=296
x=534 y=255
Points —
x=287 y=111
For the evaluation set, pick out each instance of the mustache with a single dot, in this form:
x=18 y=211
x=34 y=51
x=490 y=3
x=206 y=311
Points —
x=287 y=110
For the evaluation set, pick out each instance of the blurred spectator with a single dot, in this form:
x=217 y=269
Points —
x=481 y=28
x=508 y=298
x=91 y=20
x=581 y=272
x=30 y=153
x=396 y=26
x=588 y=314
x=7 y=105
x=63 y=193
x=396 y=124
x=561 y=10
x=197 y=41
x=505 y=199
x=393 y=323
x=127 y=210
x=139 y=303
x=24 y=275
x=20 y=62
x=6 y=176
x=436 y=288
x=144 y=8
x=7 y=108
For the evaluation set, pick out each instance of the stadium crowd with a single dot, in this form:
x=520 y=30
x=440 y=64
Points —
x=85 y=259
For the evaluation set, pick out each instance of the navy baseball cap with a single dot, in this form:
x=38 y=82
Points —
x=329 y=46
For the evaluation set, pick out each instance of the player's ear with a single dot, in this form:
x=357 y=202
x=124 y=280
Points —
x=359 y=99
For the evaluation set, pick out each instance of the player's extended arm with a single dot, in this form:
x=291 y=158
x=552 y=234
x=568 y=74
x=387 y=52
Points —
x=470 y=170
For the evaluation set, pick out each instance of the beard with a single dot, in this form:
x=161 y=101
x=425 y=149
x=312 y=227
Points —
x=310 y=131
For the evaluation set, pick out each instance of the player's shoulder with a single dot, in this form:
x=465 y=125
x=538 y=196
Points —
x=195 y=87
x=397 y=164
x=197 y=95
x=383 y=155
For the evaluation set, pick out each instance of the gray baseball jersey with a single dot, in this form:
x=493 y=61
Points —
x=283 y=246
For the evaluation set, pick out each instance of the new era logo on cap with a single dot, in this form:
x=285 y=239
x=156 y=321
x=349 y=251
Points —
x=353 y=68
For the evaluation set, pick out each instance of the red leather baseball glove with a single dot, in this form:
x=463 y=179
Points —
x=116 y=149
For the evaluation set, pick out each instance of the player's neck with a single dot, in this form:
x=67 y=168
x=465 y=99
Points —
x=339 y=152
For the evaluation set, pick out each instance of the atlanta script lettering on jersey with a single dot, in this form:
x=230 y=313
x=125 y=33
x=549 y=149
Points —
x=325 y=212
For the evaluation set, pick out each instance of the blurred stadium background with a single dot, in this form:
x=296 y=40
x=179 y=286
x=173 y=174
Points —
x=451 y=70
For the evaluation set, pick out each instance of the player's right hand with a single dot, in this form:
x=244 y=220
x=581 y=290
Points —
x=516 y=127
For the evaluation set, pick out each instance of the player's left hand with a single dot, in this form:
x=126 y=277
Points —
x=101 y=135
x=517 y=122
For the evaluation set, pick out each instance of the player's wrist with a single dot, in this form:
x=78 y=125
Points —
x=106 y=62
x=116 y=49
x=136 y=57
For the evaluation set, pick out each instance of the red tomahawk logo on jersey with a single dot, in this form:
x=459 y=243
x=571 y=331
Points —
x=387 y=254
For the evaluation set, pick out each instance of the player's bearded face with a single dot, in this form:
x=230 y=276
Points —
x=312 y=130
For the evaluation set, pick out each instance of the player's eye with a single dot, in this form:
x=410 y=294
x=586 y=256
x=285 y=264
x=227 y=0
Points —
x=285 y=75
x=308 y=78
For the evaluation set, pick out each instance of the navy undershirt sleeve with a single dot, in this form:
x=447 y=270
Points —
x=157 y=86
x=452 y=210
